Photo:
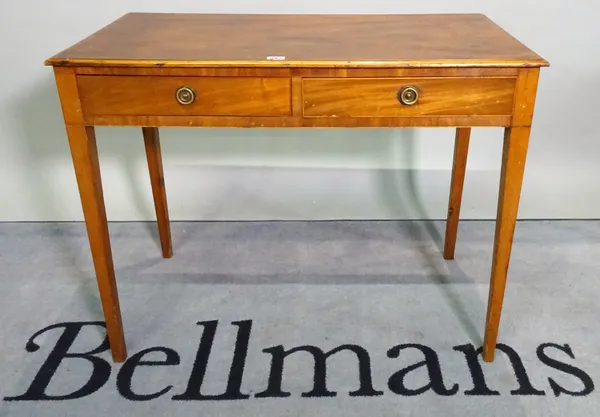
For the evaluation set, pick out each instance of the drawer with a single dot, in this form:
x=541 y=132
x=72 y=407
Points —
x=378 y=97
x=209 y=96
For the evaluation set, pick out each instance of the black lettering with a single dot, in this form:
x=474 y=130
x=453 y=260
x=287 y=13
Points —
x=100 y=368
x=234 y=382
x=588 y=384
x=432 y=362
x=125 y=375
x=479 y=385
x=320 y=372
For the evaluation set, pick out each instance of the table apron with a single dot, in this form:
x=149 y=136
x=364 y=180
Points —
x=298 y=122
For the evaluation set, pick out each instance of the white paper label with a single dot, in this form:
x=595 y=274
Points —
x=276 y=58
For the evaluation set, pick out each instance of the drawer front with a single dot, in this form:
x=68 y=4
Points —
x=156 y=95
x=356 y=97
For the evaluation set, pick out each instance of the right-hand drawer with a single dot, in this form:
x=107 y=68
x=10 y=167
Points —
x=398 y=97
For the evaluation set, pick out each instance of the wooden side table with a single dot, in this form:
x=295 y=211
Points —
x=153 y=70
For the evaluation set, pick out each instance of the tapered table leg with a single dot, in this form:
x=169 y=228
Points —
x=154 y=156
x=82 y=141
x=461 y=150
x=516 y=141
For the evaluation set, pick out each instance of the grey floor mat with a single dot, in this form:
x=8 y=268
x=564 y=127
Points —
x=365 y=286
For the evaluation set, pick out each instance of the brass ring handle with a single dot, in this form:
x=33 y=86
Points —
x=185 y=95
x=408 y=95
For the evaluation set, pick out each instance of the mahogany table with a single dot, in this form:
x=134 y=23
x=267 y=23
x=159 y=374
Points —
x=297 y=71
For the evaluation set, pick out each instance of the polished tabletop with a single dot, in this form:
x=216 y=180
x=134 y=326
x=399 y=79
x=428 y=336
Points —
x=157 y=39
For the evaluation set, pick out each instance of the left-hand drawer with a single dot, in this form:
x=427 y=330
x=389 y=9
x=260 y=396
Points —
x=172 y=96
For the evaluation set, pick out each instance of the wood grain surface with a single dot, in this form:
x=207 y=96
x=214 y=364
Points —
x=297 y=71
x=459 y=167
x=159 y=193
x=516 y=141
x=153 y=39
x=301 y=72
x=232 y=96
x=292 y=121
x=84 y=151
x=514 y=154
x=364 y=97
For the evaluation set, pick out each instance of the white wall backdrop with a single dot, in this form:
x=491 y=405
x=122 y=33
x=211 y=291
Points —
x=299 y=174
